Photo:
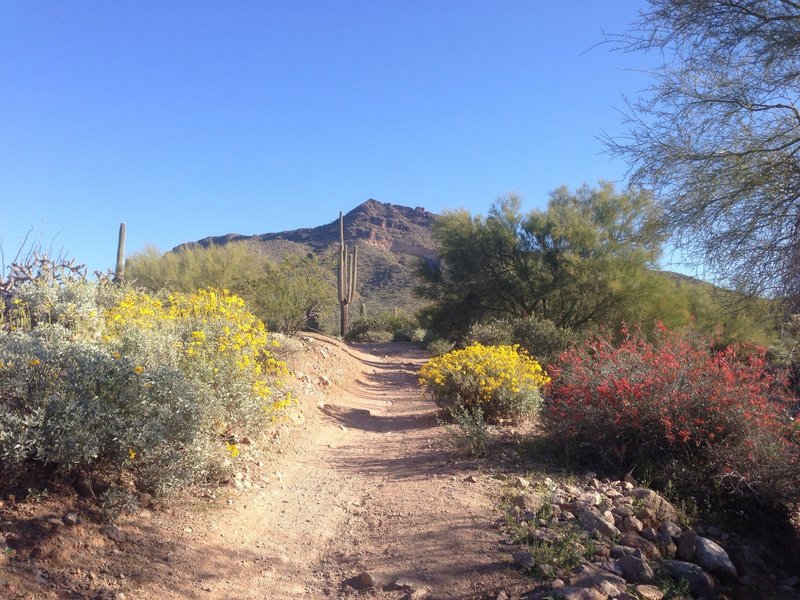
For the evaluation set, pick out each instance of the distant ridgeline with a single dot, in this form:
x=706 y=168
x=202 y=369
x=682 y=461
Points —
x=392 y=241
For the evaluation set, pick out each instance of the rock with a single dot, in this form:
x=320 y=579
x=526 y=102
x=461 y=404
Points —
x=611 y=567
x=70 y=518
x=521 y=482
x=650 y=534
x=701 y=584
x=530 y=502
x=579 y=593
x=623 y=510
x=144 y=499
x=671 y=529
x=666 y=545
x=637 y=542
x=112 y=532
x=686 y=546
x=713 y=558
x=635 y=570
x=545 y=534
x=620 y=551
x=594 y=522
x=648 y=518
x=632 y=524
x=470 y=479
x=663 y=510
x=417 y=594
x=591 y=498
x=361 y=582
x=606 y=583
x=523 y=559
x=649 y=592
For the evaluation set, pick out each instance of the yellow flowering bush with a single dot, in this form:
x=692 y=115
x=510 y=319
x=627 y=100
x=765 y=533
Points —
x=215 y=337
x=110 y=377
x=500 y=382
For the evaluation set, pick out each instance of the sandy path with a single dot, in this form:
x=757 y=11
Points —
x=367 y=485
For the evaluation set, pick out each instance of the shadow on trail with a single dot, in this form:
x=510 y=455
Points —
x=361 y=418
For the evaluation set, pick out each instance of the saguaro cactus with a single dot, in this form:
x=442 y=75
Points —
x=346 y=277
x=119 y=271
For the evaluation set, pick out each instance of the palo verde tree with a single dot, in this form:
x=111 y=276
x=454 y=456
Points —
x=717 y=135
x=582 y=262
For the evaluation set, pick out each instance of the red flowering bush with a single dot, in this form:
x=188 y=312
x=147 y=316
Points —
x=719 y=418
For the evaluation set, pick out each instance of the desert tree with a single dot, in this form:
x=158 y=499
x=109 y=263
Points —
x=717 y=136
x=582 y=262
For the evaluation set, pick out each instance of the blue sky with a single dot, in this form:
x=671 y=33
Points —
x=191 y=118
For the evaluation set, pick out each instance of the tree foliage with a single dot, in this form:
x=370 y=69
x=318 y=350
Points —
x=717 y=135
x=292 y=294
x=582 y=262
x=288 y=295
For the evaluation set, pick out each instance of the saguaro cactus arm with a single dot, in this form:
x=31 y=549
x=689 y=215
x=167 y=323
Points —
x=119 y=270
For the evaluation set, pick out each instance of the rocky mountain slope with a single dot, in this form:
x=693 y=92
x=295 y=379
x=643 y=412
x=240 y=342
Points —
x=392 y=241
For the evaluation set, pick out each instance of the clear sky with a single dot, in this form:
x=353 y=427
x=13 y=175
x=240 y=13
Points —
x=192 y=118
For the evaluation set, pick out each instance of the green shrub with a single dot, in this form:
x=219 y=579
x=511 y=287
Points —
x=495 y=332
x=438 y=346
x=540 y=337
x=370 y=330
x=411 y=334
x=500 y=381
x=470 y=432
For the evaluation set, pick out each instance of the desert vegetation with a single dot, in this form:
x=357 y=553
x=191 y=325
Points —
x=99 y=379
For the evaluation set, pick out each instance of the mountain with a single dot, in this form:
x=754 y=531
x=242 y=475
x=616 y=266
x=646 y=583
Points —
x=392 y=241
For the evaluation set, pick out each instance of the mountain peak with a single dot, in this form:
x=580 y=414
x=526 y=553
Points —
x=390 y=227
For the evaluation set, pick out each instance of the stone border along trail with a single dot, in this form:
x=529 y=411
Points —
x=369 y=494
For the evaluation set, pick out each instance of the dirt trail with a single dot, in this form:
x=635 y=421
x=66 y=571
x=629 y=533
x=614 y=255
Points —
x=370 y=489
x=367 y=486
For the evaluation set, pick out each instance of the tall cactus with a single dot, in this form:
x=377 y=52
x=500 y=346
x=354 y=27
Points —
x=119 y=271
x=346 y=277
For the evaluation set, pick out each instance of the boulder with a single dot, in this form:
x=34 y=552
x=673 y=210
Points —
x=671 y=529
x=686 y=546
x=713 y=558
x=663 y=510
x=632 y=524
x=649 y=592
x=637 y=542
x=594 y=522
x=530 y=502
x=636 y=570
x=578 y=593
x=701 y=584
x=604 y=582
x=666 y=545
